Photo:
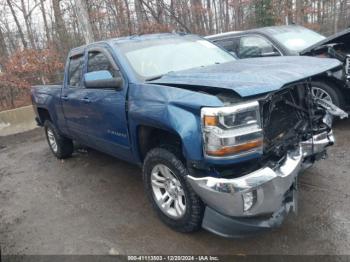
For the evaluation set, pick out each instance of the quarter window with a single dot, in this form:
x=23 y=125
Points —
x=75 y=70
x=99 y=61
x=256 y=46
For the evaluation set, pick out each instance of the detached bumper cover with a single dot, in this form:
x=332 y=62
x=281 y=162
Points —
x=271 y=188
x=241 y=227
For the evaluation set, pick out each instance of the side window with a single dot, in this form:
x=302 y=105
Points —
x=256 y=46
x=98 y=61
x=226 y=44
x=230 y=45
x=75 y=70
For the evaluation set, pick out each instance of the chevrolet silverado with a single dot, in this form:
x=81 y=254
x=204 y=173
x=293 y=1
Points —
x=221 y=142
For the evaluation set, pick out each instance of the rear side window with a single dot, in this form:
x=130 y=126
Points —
x=98 y=61
x=75 y=70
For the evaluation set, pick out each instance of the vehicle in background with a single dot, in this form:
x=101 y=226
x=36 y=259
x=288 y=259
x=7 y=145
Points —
x=221 y=141
x=295 y=40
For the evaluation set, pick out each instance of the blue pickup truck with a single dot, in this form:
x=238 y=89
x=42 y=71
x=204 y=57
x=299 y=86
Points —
x=221 y=142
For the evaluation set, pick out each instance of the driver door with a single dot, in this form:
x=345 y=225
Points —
x=72 y=97
x=106 y=108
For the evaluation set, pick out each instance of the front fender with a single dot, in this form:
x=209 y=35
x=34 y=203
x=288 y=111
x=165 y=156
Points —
x=172 y=109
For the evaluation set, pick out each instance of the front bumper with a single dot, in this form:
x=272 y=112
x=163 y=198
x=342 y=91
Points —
x=271 y=186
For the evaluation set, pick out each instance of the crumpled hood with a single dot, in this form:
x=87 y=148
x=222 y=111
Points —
x=254 y=76
x=339 y=38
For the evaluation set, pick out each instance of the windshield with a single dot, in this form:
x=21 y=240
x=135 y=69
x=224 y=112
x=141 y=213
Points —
x=296 y=38
x=154 y=57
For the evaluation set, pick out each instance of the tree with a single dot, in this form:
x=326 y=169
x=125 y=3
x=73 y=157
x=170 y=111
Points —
x=27 y=12
x=84 y=21
x=264 y=12
x=60 y=27
x=43 y=13
x=3 y=47
x=19 y=27
x=36 y=25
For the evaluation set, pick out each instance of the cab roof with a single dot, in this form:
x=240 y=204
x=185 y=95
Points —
x=263 y=30
x=136 y=37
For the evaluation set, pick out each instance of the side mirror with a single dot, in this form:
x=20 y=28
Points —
x=102 y=79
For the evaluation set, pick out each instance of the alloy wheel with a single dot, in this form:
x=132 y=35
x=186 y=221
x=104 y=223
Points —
x=168 y=192
x=321 y=94
x=52 y=140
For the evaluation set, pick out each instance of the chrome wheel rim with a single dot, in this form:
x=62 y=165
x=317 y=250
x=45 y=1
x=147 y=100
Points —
x=168 y=192
x=321 y=94
x=52 y=140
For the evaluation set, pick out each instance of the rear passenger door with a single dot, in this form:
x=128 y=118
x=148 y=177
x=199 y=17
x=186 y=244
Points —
x=106 y=108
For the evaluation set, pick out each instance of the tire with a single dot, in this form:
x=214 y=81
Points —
x=64 y=146
x=191 y=217
x=331 y=91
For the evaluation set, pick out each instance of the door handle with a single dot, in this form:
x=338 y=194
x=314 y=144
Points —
x=65 y=98
x=86 y=100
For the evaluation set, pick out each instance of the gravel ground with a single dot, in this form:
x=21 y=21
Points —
x=95 y=204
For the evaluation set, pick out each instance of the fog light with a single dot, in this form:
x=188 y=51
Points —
x=249 y=200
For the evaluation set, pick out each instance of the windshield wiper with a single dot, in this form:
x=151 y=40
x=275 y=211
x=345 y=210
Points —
x=157 y=77
x=154 y=78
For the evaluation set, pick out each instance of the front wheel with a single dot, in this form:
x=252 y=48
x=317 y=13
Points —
x=328 y=93
x=172 y=197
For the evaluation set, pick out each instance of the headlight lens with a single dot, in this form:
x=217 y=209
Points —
x=232 y=131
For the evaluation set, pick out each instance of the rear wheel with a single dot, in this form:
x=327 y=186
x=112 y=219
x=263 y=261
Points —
x=60 y=146
x=171 y=196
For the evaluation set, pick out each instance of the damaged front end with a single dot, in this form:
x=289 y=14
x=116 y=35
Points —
x=293 y=118
x=294 y=129
x=340 y=52
x=336 y=46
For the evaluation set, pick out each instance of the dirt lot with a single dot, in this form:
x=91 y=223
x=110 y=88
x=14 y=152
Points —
x=95 y=204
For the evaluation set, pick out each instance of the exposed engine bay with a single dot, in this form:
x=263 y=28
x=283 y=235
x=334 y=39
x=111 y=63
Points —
x=339 y=51
x=289 y=117
x=293 y=115
x=336 y=46
x=342 y=53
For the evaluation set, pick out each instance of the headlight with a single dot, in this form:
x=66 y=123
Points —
x=232 y=131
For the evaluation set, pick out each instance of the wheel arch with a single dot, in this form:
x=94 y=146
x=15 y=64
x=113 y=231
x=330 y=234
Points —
x=43 y=115
x=149 y=137
x=329 y=80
